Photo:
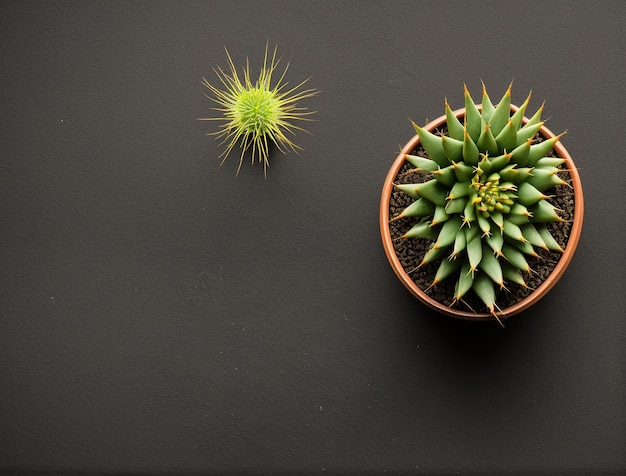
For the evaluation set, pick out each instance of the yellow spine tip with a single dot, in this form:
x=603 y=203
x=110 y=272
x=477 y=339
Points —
x=527 y=100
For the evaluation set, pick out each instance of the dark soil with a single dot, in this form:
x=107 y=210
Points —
x=411 y=251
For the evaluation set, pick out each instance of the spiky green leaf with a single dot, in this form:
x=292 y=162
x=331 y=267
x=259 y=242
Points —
x=446 y=268
x=545 y=212
x=432 y=255
x=528 y=132
x=471 y=154
x=550 y=162
x=421 y=230
x=432 y=145
x=519 y=155
x=542 y=149
x=464 y=283
x=512 y=274
x=487 y=107
x=421 y=207
x=460 y=189
x=532 y=236
x=490 y=265
x=525 y=248
x=502 y=113
x=473 y=120
x=548 y=239
x=469 y=212
x=422 y=163
x=518 y=116
x=455 y=128
x=495 y=242
x=498 y=219
x=545 y=177
x=445 y=176
x=484 y=289
x=515 y=257
x=463 y=172
x=440 y=215
x=487 y=142
x=513 y=231
x=453 y=148
x=459 y=243
x=529 y=195
x=448 y=232
x=501 y=161
x=474 y=252
x=484 y=224
x=430 y=190
x=507 y=138
x=456 y=205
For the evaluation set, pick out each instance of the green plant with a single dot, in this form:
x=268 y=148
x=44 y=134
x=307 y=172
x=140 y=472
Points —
x=257 y=114
x=483 y=202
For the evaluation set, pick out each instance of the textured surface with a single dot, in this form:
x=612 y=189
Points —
x=159 y=314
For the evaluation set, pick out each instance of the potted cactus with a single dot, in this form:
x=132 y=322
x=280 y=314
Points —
x=482 y=210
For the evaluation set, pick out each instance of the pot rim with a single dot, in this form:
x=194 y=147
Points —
x=534 y=296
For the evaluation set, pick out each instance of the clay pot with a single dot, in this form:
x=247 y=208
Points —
x=526 y=302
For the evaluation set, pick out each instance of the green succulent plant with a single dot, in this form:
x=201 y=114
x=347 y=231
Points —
x=483 y=204
x=257 y=114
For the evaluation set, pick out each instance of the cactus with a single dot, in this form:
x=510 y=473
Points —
x=257 y=114
x=483 y=205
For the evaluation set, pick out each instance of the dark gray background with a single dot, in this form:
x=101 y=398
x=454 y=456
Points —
x=160 y=314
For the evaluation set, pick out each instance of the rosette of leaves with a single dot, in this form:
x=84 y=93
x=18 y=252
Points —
x=258 y=113
x=483 y=204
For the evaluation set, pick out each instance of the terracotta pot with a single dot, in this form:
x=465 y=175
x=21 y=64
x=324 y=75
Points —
x=526 y=302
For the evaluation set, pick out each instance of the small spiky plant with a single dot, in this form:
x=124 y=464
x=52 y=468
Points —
x=257 y=114
x=483 y=204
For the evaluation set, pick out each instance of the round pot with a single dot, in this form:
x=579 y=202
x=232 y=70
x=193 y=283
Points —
x=539 y=291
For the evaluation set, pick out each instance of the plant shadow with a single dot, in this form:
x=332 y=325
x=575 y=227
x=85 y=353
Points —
x=476 y=352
